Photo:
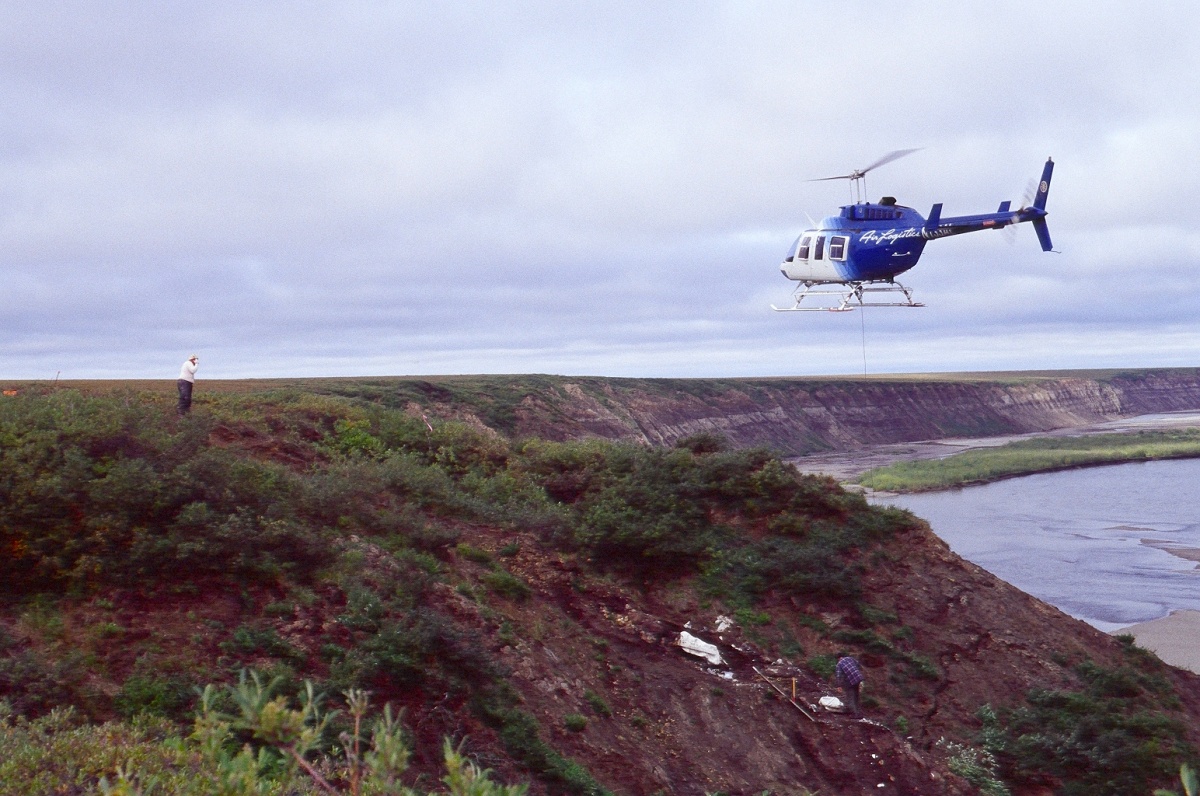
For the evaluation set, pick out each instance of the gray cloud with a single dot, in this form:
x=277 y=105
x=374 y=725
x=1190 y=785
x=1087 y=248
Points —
x=375 y=188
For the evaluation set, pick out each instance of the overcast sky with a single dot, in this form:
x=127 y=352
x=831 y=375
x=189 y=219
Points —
x=398 y=188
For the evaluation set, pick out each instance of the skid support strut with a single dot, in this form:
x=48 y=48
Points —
x=846 y=296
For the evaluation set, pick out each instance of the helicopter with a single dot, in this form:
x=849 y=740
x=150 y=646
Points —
x=867 y=245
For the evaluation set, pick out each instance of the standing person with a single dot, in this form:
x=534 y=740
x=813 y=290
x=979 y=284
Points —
x=187 y=380
x=848 y=676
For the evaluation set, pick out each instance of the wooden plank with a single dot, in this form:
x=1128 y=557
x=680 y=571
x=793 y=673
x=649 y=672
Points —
x=783 y=694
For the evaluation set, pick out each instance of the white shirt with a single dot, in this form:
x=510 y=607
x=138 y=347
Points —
x=188 y=371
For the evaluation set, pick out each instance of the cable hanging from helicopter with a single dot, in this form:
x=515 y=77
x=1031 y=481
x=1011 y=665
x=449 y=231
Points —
x=866 y=246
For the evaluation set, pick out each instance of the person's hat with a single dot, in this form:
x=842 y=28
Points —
x=193 y=356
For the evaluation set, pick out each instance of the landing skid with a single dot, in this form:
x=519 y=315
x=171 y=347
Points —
x=848 y=297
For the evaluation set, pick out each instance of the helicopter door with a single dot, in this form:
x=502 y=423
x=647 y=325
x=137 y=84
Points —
x=820 y=251
x=805 y=247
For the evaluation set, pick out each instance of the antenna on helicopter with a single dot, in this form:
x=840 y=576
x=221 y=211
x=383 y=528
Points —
x=858 y=177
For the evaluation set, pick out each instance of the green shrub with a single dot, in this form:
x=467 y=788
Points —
x=750 y=618
x=166 y=696
x=876 y=616
x=60 y=753
x=703 y=442
x=976 y=766
x=1113 y=736
x=520 y=735
x=268 y=743
x=474 y=554
x=598 y=704
x=248 y=640
x=822 y=666
x=34 y=685
x=507 y=584
x=353 y=437
x=575 y=722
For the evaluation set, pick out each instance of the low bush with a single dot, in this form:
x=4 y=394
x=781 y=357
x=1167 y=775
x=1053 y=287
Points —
x=157 y=695
x=34 y=685
x=598 y=704
x=1112 y=736
x=267 y=743
x=507 y=584
x=521 y=736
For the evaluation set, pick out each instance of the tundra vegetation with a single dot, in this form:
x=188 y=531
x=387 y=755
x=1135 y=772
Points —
x=1024 y=457
x=294 y=504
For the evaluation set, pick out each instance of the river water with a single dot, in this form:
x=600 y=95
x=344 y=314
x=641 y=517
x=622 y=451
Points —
x=1110 y=545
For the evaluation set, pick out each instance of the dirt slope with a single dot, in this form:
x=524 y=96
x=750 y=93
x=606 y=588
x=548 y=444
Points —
x=593 y=655
x=661 y=721
x=681 y=725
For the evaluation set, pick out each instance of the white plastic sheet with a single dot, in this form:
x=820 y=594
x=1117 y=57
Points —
x=699 y=648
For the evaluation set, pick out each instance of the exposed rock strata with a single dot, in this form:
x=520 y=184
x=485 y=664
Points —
x=799 y=416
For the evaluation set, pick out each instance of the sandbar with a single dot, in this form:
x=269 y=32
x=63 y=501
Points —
x=1174 y=638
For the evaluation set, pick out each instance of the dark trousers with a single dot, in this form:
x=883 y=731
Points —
x=852 y=698
x=185 y=396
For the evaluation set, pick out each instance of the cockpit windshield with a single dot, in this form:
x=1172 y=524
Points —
x=792 y=251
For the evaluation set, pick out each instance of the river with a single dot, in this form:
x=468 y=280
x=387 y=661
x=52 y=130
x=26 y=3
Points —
x=1112 y=545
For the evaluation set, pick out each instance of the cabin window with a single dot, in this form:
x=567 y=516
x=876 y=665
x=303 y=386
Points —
x=837 y=247
x=820 y=247
x=805 y=245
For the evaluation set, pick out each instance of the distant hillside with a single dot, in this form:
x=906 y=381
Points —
x=792 y=415
x=524 y=594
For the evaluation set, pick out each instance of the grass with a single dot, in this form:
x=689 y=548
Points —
x=1033 y=456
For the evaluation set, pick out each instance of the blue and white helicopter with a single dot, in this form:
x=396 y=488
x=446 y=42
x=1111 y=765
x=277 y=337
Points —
x=866 y=246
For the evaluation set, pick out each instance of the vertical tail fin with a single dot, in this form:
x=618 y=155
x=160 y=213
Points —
x=1043 y=189
x=1039 y=206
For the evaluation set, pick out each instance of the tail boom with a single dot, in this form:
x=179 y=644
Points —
x=938 y=227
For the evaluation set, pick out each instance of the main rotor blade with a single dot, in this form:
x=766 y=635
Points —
x=888 y=158
x=860 y=173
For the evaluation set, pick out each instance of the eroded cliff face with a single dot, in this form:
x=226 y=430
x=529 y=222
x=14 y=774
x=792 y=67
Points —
x=799 y=416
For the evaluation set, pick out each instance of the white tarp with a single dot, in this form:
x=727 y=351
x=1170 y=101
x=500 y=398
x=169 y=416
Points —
x=832 y=703
x=702 y=649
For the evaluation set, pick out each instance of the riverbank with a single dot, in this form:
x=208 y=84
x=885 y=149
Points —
x=850 y=466
x=1027 y=457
